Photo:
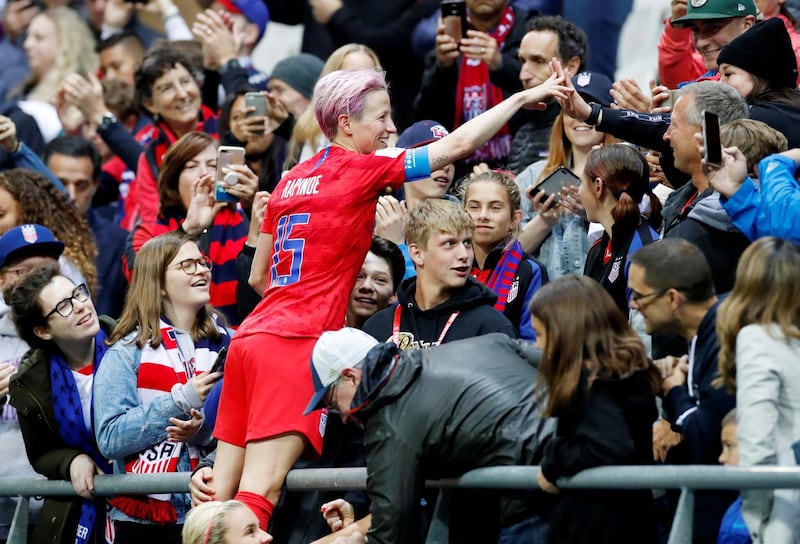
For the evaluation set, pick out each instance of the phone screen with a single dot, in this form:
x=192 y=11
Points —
x=555 y=182
x=219 y=364
x=711 y=139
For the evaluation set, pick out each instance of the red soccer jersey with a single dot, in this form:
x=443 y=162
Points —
x=321 y=216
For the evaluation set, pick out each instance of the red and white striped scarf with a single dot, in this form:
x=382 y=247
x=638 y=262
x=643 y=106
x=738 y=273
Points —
x=160 y=369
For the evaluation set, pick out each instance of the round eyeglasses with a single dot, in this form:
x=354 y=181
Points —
x=65 y=307
x=189 y=266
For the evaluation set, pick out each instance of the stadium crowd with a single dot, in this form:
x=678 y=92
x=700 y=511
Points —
x=448 y=234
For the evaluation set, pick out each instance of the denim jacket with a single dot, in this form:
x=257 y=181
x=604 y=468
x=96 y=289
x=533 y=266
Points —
x=125 y=427
x=564 y=251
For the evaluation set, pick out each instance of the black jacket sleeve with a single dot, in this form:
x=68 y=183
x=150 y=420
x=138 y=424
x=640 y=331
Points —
x=246 y=297
x=599 y=438
x=394 y=486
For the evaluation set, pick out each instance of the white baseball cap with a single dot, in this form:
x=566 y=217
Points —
x=333 y=352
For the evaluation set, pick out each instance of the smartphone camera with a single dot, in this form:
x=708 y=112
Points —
x=226 y=156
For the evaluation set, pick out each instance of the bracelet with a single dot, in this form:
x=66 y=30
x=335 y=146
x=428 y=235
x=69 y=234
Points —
x=595 y=115
x=17 y=148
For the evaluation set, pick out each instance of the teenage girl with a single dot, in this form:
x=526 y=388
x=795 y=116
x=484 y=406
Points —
x=494 y=202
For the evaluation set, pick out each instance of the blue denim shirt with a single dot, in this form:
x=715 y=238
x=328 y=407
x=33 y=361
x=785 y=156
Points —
x=125 y=427
x=564 y=251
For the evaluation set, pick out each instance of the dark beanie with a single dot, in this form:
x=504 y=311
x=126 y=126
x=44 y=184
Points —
x=765 y=50
x=300 y=72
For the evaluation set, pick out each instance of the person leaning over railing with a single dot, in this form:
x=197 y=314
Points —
x=52 y=392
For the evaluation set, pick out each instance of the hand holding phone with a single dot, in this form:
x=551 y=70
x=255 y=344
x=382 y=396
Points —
x=219 y=364
x=712 y=144
x=226 y=156
x=553 y=184
x=454 y=18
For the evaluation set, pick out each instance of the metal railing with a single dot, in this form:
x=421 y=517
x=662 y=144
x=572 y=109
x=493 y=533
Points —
x=686 y=478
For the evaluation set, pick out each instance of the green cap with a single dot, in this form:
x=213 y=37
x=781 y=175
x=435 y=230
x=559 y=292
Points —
x=704 y=10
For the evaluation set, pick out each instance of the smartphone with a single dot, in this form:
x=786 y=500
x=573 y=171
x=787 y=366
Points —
x=711 y=139
x=553 y=184
x=219 y=364
x=257 y=101
x=670 y=101
x=226 y=156
x=454 y=18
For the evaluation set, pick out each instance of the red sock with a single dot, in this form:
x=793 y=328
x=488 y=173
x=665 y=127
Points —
x=260 y=506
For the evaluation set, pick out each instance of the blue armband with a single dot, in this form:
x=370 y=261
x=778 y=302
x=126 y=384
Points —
x=417 y=164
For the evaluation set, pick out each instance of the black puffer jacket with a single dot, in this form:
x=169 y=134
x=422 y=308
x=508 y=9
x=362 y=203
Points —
x=439 y=413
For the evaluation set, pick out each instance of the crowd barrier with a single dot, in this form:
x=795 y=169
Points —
x=686 y=478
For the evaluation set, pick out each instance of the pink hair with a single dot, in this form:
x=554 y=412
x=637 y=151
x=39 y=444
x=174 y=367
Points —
x=344 y=92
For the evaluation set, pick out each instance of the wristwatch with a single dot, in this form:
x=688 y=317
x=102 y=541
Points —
x=106 y=121
x=595 y=115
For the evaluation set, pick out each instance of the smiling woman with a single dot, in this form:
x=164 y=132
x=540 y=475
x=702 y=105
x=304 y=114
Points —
x=187 y=203
x=167 y=88
x=58 y=43
x=260 y=439
x=154 y=379
x=52 y=392
x=557 y=233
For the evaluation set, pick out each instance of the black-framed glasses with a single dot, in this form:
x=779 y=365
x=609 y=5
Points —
x=639 y=297
x=331 y=403
x=65 y=307
x=189 y=266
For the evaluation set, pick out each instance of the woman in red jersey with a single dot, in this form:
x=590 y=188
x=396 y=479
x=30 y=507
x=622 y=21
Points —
x=306 y=278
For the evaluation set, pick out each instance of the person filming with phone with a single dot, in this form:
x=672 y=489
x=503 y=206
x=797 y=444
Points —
x=190 y=191
x=554 y=228
x=483 y=56
x=150 y=388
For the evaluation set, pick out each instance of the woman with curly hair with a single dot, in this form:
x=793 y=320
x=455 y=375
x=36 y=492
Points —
x=601 y=386
x=758 y=327
x=58 y=43
x=29 y=197
x=168 y=89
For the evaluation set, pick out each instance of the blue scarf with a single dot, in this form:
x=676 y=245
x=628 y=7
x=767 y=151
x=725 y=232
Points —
x=72 y=428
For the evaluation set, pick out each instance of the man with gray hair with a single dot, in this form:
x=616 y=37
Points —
x=693 y=211
x=436 y=413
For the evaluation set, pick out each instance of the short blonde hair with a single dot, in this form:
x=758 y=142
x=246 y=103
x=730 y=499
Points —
x=436 y=215
x=205 y=523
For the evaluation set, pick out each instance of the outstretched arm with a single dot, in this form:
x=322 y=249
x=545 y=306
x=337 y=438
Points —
x=474 y=133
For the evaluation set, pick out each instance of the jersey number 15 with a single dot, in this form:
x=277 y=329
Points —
x=284 y=243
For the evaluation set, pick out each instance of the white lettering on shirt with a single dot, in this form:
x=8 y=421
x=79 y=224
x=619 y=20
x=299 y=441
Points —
x=301 y=186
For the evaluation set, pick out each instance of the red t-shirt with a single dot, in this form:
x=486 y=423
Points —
x=321 y=216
